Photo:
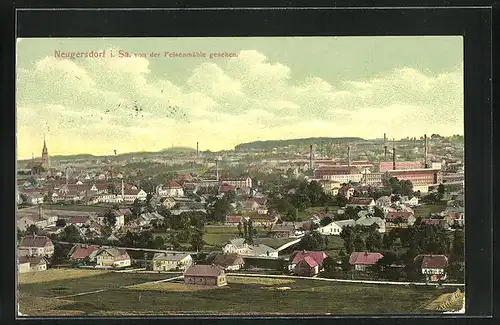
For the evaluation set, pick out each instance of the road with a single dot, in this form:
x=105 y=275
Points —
x=344 y=280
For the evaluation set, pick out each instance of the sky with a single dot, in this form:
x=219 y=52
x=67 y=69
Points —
x=271 y=88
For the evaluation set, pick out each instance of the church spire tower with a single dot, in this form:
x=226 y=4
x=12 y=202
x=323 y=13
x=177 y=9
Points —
x=45 y=155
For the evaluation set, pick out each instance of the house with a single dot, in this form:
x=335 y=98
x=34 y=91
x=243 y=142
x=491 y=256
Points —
x=261 y=250
x=399 y=218
x=283 y=231
x=37 y=245
x=24 y=222
x=383 y=202
x=172 y=189
x=251 y=204
x=171 y=261
x=307 y=263
x=362 y=202
x=34 y=198
x=237 y=245
x=120 y=217
x=362 y=260
x=436 y=222
x=31 y=264
x=233 y=220
x=53 y=230
x=369 y=220
x=224 y=188
x=148 y=217
x=335 y=227
x=130 y=195
x=79 y=221
x=112 y=257
x=409 y=201
x=433 y=267
x=230 y=262
x=205 y=275
x=346 y=191
x=168 y=202
x=78 y=253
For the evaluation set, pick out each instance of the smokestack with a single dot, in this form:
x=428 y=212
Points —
x=394 y=157
x=123 y=190
x=197 y=147
x=385 y=139
x=425 y=151
x=311 y=156
x=348 y=156
x=217 y=169
x=385 y=153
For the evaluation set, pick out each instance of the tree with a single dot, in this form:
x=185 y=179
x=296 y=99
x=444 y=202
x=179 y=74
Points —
x=61 y=223
x=359 y=244
x=373 y=241
x=60 y=255
x=350 y=213
x=440 y=192
x=388 y=241
x=110 y=219
x=341 y=200
x=348 y=235
x=196 y=240
x=329 y=264
x=458 y=245
x=312 y=241
x=250 y=232
x=111 y=189
x=240 y=233
x=378 y=213
x=325 y=221
x=33 y=230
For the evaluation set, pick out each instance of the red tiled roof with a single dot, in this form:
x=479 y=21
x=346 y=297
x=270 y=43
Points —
x=364 y=258
x=310 y=261
x=434 y=261
x=204 y=270
x=173 y=184
x=78 y=219
x=233 y=219
x=83 y=252
x=226 y=188
x=361 y=200
x=399 y=214
x=316 y=256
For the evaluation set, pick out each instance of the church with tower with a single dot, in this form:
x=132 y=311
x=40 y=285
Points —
x=45 y=156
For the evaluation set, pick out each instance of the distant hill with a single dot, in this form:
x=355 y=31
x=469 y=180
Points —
x=270 y=144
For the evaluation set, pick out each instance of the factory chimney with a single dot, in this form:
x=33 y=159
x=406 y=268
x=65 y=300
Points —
x=348 y=156
x=197 y=148
x=385 y=147
x=311 y=157
x=425 y=151
x=123 y=190
x=217 y=169
x=393 y=157
x=385 y=139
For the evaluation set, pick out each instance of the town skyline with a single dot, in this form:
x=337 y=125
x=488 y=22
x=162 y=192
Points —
x=268 y=92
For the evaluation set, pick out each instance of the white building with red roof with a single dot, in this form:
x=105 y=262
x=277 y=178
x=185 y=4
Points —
x=307 y=263
x=362 y=260
x=433 y=267
x=172 y=189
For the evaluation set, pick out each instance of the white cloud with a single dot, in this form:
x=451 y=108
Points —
x=102 y=103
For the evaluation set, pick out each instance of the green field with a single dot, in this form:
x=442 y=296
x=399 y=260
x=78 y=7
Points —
x=77 y=207
x=309 y=212
x=424 y=210
x=242 y=296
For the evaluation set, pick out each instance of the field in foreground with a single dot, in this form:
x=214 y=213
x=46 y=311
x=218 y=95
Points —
x=243 y=296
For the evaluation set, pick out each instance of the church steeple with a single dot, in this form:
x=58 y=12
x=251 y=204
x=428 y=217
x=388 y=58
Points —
x=45 y=155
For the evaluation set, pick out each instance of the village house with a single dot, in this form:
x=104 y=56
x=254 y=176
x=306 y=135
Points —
x=307 y=263
x=282 y=231
x=229 y=262
x=172 y=189
x=412 y=202
x=79 y=253
x=225 y=188
x=399 y=219
x=171 y=261
x=120 y=217
x=205 y=275
x=233 y=220
x=31 y=264
x=363 y=260
x=168 y=202
x=79 y=221
x=130 y=195
x=236 y=245
x=383 y=202
x=369 y=220
x=335 y=227
x=34 y=198
x=362 y=202
x=260 y=250
x=433 y=267
x=239 y=182
x=112 y=257
x=37 y=245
